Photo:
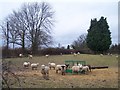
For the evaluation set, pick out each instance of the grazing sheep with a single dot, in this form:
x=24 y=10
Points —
x=75 y=54
x=61 y=68
x=20 y=55
x=26 y=64
x=51 y=65
x=78 y=53
x=47 y=56
x=116 y=56
x=101 y=55
x=85 y=69
x=58 y=68
x=75 y=69
x=34 y=65
x=30 y=56
x=45 y=71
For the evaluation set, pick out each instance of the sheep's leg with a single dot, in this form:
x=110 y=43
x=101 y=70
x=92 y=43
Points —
x=56 y=71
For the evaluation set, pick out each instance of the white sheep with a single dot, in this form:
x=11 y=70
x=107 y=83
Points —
x=75 y=69
x=20 y=55
x=51 y=65
x=116 y=56
x=30 y=56
x=26 y=64
x=75 y=54
x=101 y=55
x=47 y=55
x=45 y=71
x=85 y=69
x=58 y=68
x=34 y=66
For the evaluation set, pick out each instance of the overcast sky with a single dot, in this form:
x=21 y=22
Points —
x=72 y=16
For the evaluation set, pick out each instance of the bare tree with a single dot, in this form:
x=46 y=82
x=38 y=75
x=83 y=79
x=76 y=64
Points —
x=80 y=43
x=31 y=24
x=39 y=18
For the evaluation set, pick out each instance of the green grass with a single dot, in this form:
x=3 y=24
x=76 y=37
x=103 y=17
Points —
x=93 y=60
x=33 y=78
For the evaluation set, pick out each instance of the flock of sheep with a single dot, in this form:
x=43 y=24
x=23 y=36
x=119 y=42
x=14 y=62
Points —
x=61 y=68
x=76 y=68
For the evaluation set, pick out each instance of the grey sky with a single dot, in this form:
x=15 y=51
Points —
x=73 y=16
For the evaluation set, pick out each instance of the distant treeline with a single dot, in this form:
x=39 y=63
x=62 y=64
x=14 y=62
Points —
x=10 y=53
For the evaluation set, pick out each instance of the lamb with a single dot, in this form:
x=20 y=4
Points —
x=78 y=53
x=51 y=65
x=101 y=55
x=76 y=68
x=20 y=55
x=85 y=69
x=45 y=71
x=26 y=64
x=34 y=65
x=30 y=56
x=75 y=54
x=47 y=55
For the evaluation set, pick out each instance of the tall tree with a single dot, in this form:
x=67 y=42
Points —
x=99 y=35
x=39 y=18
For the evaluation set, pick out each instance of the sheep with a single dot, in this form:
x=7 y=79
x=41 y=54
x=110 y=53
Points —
x=78 y=53
x=101 y=55
x=58 y=68
x=34 y=66
x=47 y=55
x=51 y=65
x=61 y=68
x=20 y=55
x=45 y=71
x=61 y=54
x=85 y=69
x=75 y=69
x=116 y=56
x=75 y=54
x=26 y=64
x=30 y=56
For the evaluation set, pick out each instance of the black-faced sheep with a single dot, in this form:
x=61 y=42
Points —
x=61 y=68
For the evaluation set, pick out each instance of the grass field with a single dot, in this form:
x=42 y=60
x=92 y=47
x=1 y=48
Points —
x=98 y=78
